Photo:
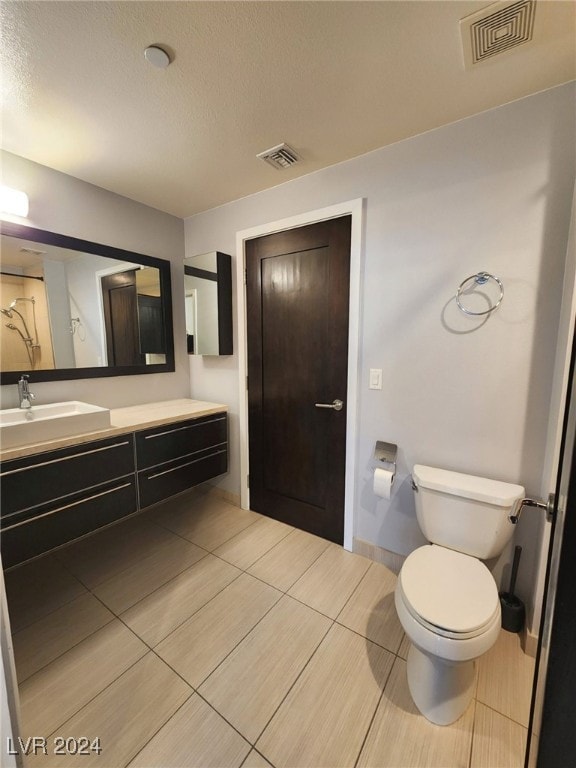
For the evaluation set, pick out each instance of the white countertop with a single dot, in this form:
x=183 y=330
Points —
x=123 y=420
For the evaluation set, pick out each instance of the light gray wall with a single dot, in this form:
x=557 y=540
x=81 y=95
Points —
x=59 y=313
x=492 y=192
x=66 y=205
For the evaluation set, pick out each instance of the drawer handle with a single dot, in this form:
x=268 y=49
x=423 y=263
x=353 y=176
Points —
x=64 y=458
x=68 y=506
x=186 y=455
x=180 y=429
x=186 y=464
x=54 y=499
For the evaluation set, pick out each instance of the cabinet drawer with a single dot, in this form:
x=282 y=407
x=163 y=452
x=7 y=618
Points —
x=29 y=482
x=160 y=482
x=172 y=441
x=64 y=522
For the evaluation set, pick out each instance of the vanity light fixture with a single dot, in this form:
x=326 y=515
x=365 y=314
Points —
x=157 y=56
x=13 y=201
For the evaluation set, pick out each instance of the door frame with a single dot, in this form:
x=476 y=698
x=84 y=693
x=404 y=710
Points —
x=355 y=209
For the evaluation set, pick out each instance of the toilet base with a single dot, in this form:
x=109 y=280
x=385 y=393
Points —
x=441 y=689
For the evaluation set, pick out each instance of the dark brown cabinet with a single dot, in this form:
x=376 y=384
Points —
x=52 y=498
x=179 y=456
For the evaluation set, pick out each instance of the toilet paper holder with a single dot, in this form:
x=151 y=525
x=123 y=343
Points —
x=386 y=452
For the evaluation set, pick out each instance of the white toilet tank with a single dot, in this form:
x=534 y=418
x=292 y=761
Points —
x=464 y=512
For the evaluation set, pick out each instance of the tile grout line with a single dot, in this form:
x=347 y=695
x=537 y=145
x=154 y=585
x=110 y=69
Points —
x=268 y=551
x=208 y=552
x=118 y=616
x=356 y=588
x=66 y=602
x=156 y=732
x=136 y=562
x=152 y=649
x=149 y=594
x=59 y=656
x=196 y=692
x=180 y=535
x=258 y=753
x=296 y=679
x=246 y=571
x=283 y=593
x=374 y=713
x=334 y=622
x=502 y=714
x=238 y=643
x=184 y=620
x=471 y=751
x=370 y=640
x=77 y=711
x=196 y=688
x=301 y=576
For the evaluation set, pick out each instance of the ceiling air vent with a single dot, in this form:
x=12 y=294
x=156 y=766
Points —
x=279 y=157
x=496 y=29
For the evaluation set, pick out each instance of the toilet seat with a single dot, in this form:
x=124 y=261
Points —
x=451 y=594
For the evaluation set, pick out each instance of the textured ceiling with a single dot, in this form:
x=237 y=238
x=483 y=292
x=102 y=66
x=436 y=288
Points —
x=333 y=79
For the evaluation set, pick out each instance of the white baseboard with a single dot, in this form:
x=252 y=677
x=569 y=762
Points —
x=529 y=643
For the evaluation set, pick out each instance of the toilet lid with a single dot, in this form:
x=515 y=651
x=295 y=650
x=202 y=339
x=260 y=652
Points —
x=449 y=590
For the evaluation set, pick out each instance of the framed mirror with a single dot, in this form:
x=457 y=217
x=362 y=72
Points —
x=208 y=302
x=73 y=309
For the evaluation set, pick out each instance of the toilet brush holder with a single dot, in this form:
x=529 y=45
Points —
x=513 y=610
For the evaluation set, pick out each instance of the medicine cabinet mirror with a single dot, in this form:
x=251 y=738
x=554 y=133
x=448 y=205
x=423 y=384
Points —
x=73 y=309
x=208 y=301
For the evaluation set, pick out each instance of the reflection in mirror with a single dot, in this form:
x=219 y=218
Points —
x=208 y=302
x=72 y=309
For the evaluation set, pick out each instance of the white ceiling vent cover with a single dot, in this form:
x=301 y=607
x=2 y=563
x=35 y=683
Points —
x=496 y=29
x=279 y=157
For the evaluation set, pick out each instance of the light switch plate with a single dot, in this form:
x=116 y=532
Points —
x=375 y=378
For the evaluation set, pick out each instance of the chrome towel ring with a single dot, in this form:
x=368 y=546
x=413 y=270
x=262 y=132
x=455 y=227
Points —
x=479 y=279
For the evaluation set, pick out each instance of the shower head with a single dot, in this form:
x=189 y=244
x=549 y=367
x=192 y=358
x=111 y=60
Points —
x=21 y=298
x=27 y=341
x=13 y=327
x=7 y=312
x=12 y=308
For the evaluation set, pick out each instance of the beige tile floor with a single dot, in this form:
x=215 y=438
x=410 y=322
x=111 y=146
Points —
x=202 y=635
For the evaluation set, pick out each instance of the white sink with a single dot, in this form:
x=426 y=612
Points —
x=20 y=426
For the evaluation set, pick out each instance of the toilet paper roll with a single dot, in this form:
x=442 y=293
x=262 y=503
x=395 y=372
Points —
x=383 y=482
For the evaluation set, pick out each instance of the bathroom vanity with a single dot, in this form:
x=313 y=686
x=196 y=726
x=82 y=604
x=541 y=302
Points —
x=57 y=491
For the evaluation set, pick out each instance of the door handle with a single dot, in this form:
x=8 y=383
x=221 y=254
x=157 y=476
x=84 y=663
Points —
x=336 y=405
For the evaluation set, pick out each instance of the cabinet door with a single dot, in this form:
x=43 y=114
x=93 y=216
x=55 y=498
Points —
x=29 y=482
x=174 y=441
x=57 y=524
x=160 y=482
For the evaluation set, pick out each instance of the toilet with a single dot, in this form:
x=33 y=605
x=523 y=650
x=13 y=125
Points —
x=446 y=598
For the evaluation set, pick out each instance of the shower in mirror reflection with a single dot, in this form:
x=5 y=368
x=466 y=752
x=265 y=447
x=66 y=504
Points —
x=30 y=341
x=25 y=334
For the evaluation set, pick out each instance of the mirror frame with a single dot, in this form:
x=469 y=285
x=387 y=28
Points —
x=64 y=241
x=223 y=279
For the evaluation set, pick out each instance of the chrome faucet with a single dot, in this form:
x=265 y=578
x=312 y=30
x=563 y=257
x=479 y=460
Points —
x=24 y=395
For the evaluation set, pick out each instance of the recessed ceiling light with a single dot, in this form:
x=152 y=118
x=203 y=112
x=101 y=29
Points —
x=157 y=56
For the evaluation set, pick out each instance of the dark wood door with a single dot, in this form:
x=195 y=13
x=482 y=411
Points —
x=297 y=317
x=551 y=732
x=151 y=325
x=121 y=319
